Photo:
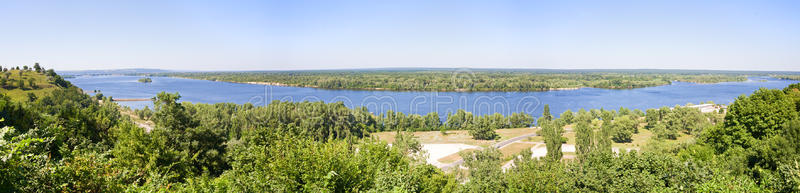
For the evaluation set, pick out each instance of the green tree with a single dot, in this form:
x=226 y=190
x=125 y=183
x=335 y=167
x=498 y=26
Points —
x=652 y=117
x=603 y=137
x=20 y=84
x=169 y=114
x=37 y=67
x=32 y=97
x=752 y=118
x=762 y=113
x=662 y=132
x=552 y=132
x=584 y=135
x=520 y=120
x=546 y=113
x=686 y=119
x=485 y=174
x=483 y=129
x=32 y=82
x=432 y=121
x=406 y=142
x=15 y=158
x=624 y=128
x=568 y=116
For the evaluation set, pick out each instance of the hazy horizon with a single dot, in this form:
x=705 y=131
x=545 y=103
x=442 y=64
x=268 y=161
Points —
x=331 y=35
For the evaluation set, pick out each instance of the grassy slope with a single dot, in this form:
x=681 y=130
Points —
x=43 y=86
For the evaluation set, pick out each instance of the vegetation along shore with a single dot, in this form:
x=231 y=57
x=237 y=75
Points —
x=465 y=81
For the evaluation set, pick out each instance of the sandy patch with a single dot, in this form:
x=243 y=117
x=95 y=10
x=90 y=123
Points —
x=438 y=151
x=541 y=150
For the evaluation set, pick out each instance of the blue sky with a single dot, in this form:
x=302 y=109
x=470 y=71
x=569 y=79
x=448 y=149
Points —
x=288 y=35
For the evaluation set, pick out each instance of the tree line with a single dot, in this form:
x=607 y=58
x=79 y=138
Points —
x=338 y=121
x=478 y=80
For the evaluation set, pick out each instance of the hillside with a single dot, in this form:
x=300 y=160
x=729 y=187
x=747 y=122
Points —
x=42 y=84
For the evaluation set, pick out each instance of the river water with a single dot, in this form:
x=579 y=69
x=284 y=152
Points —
x=203 y=91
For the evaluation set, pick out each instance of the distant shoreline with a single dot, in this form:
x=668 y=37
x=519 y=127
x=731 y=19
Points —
x=479 y=88
x=382 y=89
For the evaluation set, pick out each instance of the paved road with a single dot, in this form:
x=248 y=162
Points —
x=496 y=145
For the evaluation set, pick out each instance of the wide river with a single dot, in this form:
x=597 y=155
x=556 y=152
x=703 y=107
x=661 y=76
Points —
x=203 y=91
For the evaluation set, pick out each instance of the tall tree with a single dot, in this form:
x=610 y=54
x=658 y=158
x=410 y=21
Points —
x=584 y=134
x=546 y=113
x=552 y=131
x=606 y=130
x=37 y=67
x=169 y=114
x=567 y=116
x=624 y=128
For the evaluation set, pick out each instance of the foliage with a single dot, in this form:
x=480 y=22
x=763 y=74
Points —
x=624 y=128
x=475 y=80
x=762 y=113
x=484 y=171
x=484 y=127
x=405 y=142
x=520 y=120
x=636 y=172
x=584 y=137
x=568 y=116
x=552 y=131
x=531 y=175
x=607 y=132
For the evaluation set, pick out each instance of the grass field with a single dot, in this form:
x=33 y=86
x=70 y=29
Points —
x=454 y=157
x=12 y=90
x=514 y=148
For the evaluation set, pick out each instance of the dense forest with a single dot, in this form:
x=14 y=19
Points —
x=477 y=80
x=68 y=141
x=788 y=77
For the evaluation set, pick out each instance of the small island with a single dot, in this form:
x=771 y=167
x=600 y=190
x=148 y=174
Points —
x=145 y=80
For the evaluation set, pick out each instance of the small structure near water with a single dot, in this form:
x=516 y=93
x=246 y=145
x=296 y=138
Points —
x=709 y=108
